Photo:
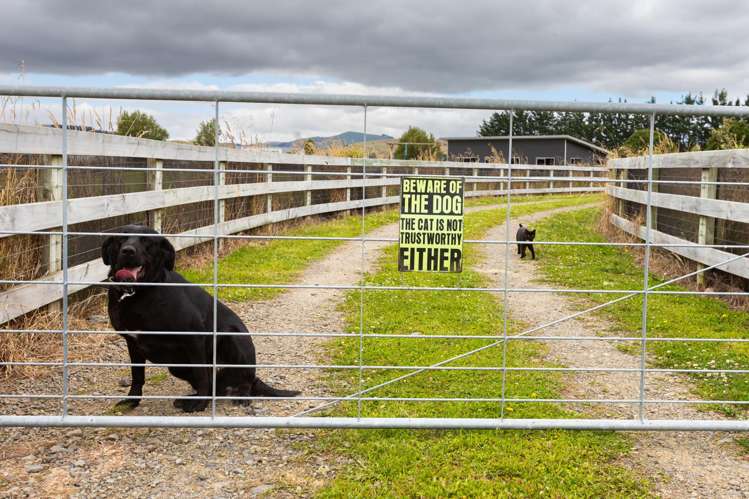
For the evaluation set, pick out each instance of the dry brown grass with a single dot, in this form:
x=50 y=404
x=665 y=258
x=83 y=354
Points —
x=19 y=255
x=670 y=265
x=30 y=345
x=343 y=151
x=496 y=156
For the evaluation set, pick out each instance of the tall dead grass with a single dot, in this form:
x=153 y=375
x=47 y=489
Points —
x=670 y=265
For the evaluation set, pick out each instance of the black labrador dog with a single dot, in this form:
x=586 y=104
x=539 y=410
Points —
x=524 y=234
x=146 y=259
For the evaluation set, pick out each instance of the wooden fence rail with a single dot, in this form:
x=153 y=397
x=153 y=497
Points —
x=313 y=176
x=702 y=209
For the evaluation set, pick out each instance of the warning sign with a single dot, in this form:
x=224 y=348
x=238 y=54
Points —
x=431 y=224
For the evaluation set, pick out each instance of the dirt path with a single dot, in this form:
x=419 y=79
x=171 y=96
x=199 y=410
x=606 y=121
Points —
x=681 y=464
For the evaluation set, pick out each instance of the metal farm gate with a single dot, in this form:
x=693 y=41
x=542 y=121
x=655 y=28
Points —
x=359 y=180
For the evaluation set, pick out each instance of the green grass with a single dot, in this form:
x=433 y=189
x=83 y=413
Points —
x=668 y=315
x=501 y=200
x=281 y=261
x=744 y=444
x=403 y=463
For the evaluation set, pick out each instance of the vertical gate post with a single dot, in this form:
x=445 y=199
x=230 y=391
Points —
x=706 y=232
x=551 y=176
x=527 y=183
x=222 y=201
x=155 y=181
x=475 y=179
x=51 y=183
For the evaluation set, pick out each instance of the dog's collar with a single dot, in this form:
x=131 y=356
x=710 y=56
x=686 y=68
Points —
x=125 y=292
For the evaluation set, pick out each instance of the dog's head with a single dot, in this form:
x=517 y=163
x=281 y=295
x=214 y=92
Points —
x=137 y=258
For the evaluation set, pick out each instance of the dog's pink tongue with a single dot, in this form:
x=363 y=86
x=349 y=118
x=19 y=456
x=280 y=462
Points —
x=125 y=274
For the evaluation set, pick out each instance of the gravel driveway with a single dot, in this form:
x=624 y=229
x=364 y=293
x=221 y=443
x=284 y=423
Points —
x=681 y=464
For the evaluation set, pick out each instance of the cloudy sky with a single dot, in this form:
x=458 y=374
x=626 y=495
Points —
x=582 y=50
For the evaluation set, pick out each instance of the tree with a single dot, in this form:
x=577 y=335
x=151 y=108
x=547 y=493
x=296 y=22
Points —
x=732 y=134
x=415 y=143
x=497 y=125
x=523 y=123
x=638 y=143
x=309 y=146
x=141 y=125
x=612 y=130
x=206 y=133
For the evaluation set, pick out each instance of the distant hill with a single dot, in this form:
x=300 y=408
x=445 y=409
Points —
x=342 y=139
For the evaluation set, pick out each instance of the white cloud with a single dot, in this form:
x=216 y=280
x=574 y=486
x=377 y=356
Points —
x=261 y=122
x=626 y=46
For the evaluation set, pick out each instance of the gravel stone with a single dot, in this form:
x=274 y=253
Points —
x=34 y=468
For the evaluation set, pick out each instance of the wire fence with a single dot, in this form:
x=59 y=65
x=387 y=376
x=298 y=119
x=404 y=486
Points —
x=72 y=200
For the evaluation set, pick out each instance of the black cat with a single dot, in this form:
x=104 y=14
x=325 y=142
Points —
x=525 y=234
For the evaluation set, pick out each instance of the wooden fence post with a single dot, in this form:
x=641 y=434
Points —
x=308 y=178
x=51 y=183
x=527 y=183
x=620 y=174
x=706 y=232
x=348 y=177
x=653 y=209
x=475 y=178
x=155 y=182
x=551 y=176
x=384 y=192
x=269 y=197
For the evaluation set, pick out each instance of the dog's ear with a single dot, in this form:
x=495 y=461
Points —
x=109 y=249
x=167 y=253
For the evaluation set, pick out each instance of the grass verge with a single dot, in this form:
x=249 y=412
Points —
x=281 y=261
x=668 y=315
x=397 y=463
x=499 y=201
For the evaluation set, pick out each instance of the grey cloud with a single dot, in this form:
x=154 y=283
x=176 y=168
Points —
x=426 y=45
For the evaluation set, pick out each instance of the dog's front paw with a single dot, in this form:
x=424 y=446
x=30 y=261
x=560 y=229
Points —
x=191 y=404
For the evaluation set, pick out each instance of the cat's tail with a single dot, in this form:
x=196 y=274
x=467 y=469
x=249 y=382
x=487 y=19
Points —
x=521 y=225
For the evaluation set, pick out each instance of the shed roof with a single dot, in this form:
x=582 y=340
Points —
x=515 y=137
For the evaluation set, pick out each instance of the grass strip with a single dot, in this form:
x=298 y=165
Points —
x=668 y=315
x=424 y=463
